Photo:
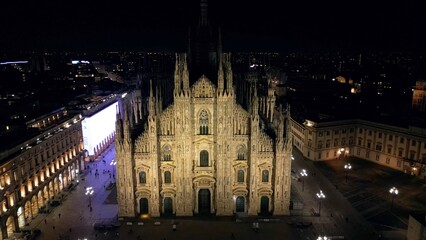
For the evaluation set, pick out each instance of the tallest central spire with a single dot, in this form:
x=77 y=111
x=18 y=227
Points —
x=204 y=8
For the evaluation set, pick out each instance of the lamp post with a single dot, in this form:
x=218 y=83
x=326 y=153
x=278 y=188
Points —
x=347 y=168
x=323 y=238
x=320 y=196
x=393 y=191
x=89 y=192
x=303 y=174
x=113 y=163
x=340 y=152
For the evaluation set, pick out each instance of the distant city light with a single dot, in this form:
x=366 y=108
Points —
x=255 y=65
x=79 y=61
x=15 y=62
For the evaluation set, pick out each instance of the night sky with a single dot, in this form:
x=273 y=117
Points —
x=162 y=25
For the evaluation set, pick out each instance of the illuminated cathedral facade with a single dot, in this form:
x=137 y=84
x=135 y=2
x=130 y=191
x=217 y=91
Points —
x=203 y=153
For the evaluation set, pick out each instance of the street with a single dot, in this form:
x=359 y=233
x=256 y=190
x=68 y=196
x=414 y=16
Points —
x=319 y=209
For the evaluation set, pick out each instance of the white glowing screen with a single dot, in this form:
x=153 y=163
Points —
x=98 y=127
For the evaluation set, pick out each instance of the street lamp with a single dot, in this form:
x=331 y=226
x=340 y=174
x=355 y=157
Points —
x=320 y=196
x=323 y=238
x=303 y=174
x=340 y=152
x=393 y=191
x=347 y=168
x=89 y=192
x=113 y=163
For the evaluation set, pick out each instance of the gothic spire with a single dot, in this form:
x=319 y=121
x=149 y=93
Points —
x=151 y=100
x=220 y=79
x=157 y=106
x=118 y=126
x=126 y=125
x=204 y=9
x=255 y=101
x=280 y=124
x=287 y=117
x=229 y=77
x=185 y=75
x=177 y=75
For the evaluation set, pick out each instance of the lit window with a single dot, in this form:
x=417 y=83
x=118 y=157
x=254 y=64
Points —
x=142 y=177
x=204 y=158
x=265 y=176
x=167 y=177
x=204 y=123
x=240 y=177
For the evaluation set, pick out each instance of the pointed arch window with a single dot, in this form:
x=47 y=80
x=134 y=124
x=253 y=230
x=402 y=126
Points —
x=204 y=123
x=204 y=158
x=265 y=176
x=242 y=153
x=142 y=177
x=167 y=177
x=167 y=153
x=240 y=176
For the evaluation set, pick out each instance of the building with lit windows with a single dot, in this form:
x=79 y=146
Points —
x=34 y=173
x=419 y=96
x=400 y=148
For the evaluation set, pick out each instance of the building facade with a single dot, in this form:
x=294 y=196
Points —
x=36 y=171
x=416 y=227
x=419 y=96
x=204 y=153
x=400 y=148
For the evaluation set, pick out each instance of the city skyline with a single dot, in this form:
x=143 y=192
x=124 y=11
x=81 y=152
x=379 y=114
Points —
x=118 y=139
x=163 y=26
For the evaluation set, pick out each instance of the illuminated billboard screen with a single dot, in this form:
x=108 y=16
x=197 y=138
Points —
x=98 y=127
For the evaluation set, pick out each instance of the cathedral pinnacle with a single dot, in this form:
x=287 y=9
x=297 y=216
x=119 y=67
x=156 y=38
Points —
x=185 y=75
x=220 y=78
x=151 y=99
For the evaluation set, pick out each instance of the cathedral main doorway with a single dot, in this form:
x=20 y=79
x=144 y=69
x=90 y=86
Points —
x=264 y=205
x=204 y=201
x=143 y=206
x=168 y=206
x=240 y=204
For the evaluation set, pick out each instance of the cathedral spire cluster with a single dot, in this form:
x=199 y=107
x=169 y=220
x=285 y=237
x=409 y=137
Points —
x=181 y=75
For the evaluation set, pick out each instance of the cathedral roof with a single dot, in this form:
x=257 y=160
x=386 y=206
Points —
x=203 y=88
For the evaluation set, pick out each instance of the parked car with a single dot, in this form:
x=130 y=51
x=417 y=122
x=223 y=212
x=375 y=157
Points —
x=44 y=209
x=55 y=202
x=99 y=226
x=105 y=225
x=31 y=234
